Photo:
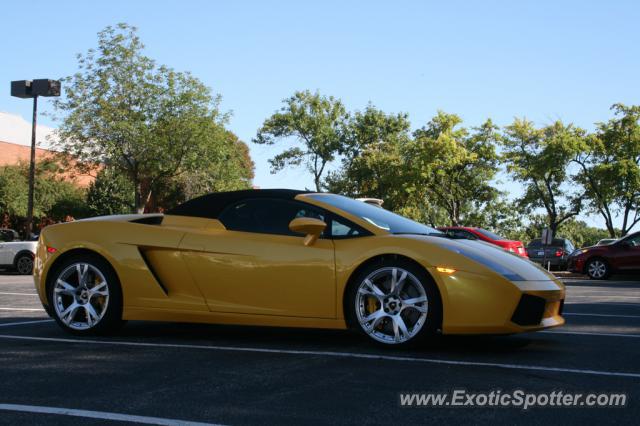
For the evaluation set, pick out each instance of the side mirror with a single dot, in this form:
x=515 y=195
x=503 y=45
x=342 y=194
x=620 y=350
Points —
x=308 y=226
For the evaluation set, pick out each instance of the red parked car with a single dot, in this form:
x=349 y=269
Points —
x=621 y=256
x=482 y=234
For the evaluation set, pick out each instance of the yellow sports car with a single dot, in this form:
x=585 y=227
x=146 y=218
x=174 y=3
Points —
x=288 y=258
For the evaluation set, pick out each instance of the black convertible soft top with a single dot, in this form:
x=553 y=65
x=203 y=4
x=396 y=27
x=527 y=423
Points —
x=211 y=205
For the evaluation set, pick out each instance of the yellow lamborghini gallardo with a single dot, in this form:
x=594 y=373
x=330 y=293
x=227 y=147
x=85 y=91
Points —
x=288 y=258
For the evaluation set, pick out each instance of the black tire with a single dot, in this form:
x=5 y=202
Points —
x=111 y=319
x=24 y=264
x=597 y=269
x=431 y=324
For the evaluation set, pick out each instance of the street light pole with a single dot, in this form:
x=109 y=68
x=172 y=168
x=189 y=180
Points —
x=32 y=169
x=32 y=89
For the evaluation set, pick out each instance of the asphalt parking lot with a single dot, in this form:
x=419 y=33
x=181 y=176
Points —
x=175 y=373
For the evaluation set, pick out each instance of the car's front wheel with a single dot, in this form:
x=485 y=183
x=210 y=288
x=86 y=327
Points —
x=395 y=303
x=85 y=296
x=597 y=269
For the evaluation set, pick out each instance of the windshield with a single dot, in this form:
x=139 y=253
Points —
x=489 y=234
x=376 y=216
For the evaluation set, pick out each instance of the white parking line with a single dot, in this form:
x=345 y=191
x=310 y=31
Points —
x=586 y=333
x=605 y=303
x=22 y=309
x=328 y=354
x=18 y=294
x=600 y=315
x=603 y=297
x=7 y=324
x=102 y=415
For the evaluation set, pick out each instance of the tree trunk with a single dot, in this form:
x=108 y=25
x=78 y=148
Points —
x=142 y=195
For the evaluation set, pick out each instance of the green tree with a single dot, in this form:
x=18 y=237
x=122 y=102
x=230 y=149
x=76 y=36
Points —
x=54 y=197
x=453 y=168
x=233 y=173
x=539 y=159
x=149 y=122
x=316 y=125
x=373 y=158
x=581 y=234
x=609 y=169
x=111 y=193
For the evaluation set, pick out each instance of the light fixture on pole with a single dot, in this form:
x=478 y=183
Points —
x=32 y=89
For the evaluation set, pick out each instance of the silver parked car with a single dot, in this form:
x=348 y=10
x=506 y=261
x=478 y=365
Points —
x=15 y=254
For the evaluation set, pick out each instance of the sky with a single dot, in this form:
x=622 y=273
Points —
x=544 y=60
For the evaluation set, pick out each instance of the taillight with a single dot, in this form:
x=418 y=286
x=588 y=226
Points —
x=559 y=253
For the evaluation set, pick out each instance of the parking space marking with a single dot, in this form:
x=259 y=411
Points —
x=18 y=294
x=600 y=315
x=605 y=303
x=24 y=322
x=328 y=354
x=587 y=333
x=570 y=296
x=102 y=415
x=22 y=309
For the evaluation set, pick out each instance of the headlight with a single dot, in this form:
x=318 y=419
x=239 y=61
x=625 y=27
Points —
x=489 y=263
x=583 y=250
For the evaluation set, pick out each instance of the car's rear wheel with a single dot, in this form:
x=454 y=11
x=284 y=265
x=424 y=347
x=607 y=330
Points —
x=24 y=264
x=597 y=269
x=395 y=303
x=85 y=296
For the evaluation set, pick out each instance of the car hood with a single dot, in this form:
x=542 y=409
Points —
x=494 y=258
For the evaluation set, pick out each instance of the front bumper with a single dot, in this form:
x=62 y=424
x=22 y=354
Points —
x=576 y=264
x=477 y=304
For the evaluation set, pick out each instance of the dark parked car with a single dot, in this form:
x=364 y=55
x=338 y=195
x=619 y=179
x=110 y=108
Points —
x=555 y=254
x=599 y=262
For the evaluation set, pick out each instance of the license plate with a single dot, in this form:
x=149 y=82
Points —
x=541 y=253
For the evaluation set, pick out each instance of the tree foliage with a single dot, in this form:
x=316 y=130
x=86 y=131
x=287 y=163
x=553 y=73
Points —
x=539 y=159
x=373 y=158
x=111 y=193
x=149 y=122
x=315 y=123
x=609 y=169
x=54 y=198
x=453 y=167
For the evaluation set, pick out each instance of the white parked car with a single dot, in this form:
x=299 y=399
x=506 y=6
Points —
x=15 y=254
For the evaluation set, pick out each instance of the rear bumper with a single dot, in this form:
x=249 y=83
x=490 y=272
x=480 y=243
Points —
x=553 y=261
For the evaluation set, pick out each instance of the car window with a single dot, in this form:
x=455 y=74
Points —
x=461 y=233
x=570 y=248
x=267 y=216
x=342 y=228
x=633 y=241
x=7 y=235
x=489 y=234
x=378 y=217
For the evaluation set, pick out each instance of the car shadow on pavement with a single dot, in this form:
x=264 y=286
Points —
x=263 y=337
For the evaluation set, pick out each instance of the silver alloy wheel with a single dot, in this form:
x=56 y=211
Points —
x=81 y=296
x=597 y=269
x=391 y=305
x=24 y=265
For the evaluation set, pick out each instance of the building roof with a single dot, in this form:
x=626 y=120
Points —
x=12 y=154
